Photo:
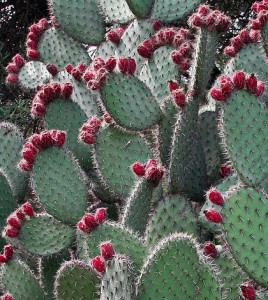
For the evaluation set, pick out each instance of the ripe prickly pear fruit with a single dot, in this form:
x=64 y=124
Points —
x=138 y=169
x=213 y=216
x=90 y=221
x=100 y=215
x=210 y=250
x=107 y=251
x=14 y=222
x=7 y=296
x=11 y=232
x=28 y=209
x=8 y=252
x=247 y=291
x=98 y=263
x=215 y=196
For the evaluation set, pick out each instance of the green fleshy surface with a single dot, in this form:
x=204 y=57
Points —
x=60 y=184
x=80 y=19
x=245 y=227
x=245 y=131
x=44 y=235
x=140 y=8
x=58 y=48
x=32 y=74
x=11 y=142
x=105 y=50
x=115 y=152
x=130 y=102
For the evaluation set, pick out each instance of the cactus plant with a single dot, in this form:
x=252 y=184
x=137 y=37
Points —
x=144 y=182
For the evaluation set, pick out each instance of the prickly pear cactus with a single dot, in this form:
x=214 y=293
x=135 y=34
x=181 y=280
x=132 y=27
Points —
x=142 y=183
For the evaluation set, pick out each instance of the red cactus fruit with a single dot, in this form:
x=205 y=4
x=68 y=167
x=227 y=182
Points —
x=113 y=36
x=225 y=170
x=254 y=35
x=38 y=109
x=12 y=78
x=100 y=215
x=28 y=154
x=24 y=165
x=20 y=214
x=18 y=60
x=157 y=25
x=58 y=137
x=222 y=23
x=107 y=251
x=32 y=36
x=213 y=216
x=239 y=79
x=30 y=44
x=56 y=88
x=83 y=227
x=215 y=196
x=210 y=250
x=173 y=85
x=7 y=296
x=179 y=97
x=28 y=209
x=237 y=43
x=32 y=53
x=120 y=31
x=166 y=36
x=260 y=88
x=98 y=263
x=95 y=122
x=197 y=20
x=43 y=24
x=127 y=65
x=46 y=139
x=110 y=64
x=29 y=145
x=11 y=232
x=69 y=68
x=3 y=259
x=81 y=67
x=8 y=252
x=218 y=95
x=255 y=24
x=247 y=291
x=36 y=141
x=90 y=220
x=12 y=68
x=98 y=63
x=66 y=90
x=251 y=83
x=87 y=138
x=138 y=169
x=35 y=28
x=230 y=51
x=107 y=118
x=177 y=57
x=263 y=17
x=76 y=74
x=145 y=49
x=185 y=49
x=226 y=84
x=52 y=69
x=93 y=85
x=203 y=10
x=88 y=75
x=131 y=66
x=151 y=162
x=14 y=222
x=185 y=65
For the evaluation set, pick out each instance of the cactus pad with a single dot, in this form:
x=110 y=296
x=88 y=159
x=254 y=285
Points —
x=140 y=8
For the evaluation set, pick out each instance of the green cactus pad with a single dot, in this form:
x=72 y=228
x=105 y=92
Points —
x=60 y=185
x=116 y=11
x=81 y=20
x=68 y=116
x=32 y=74
x=115 y=152
x=264 y=34
x=76 y=280
x=173 y=10
x=244 y=220
x=58 y=48
x=7 y=201
x=11 y=142
x=118 y=280
x=166 y=128
x=251 y=59
x=44 y=235
x=105 y=50
x=176 y=270
x=173 y=214
x=123 y=241
x=208 y=126
x=246 y=144
x=225 y=186
x=135 y=34
x=140 y=8
x=158 y=70
x=130 y=102
x=230 y=274
x=137 y=207
x=18 y=280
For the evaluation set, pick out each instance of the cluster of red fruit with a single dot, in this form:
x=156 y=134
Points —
x=151 y=170
x=211 y=214
x=7 y=255
x=177 y=37
x=13 y=69
x=89 y=130
x=15 y=220
x=177 y=93
x=211 y=19
x=261 y=8
x=239 y=81
x=37 y=142
x=114 y=35
x=89 y=221
x=47 y=93
x=243 y=38
x=35 y=31
x=106 y=253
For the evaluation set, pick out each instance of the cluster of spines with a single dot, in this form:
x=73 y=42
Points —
x=35 y=31
x=177 y=93
x=13 y=69
x=90 y=221
x=7 y=254
x=37 y=142
x=99 y=262
x=114 y=35
x=46 y=94
x=89 y=130
x=152 y=170
x=243 y=38
x=15 y=220
x=240 y=80
x=211 y=19
x=261 y=8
